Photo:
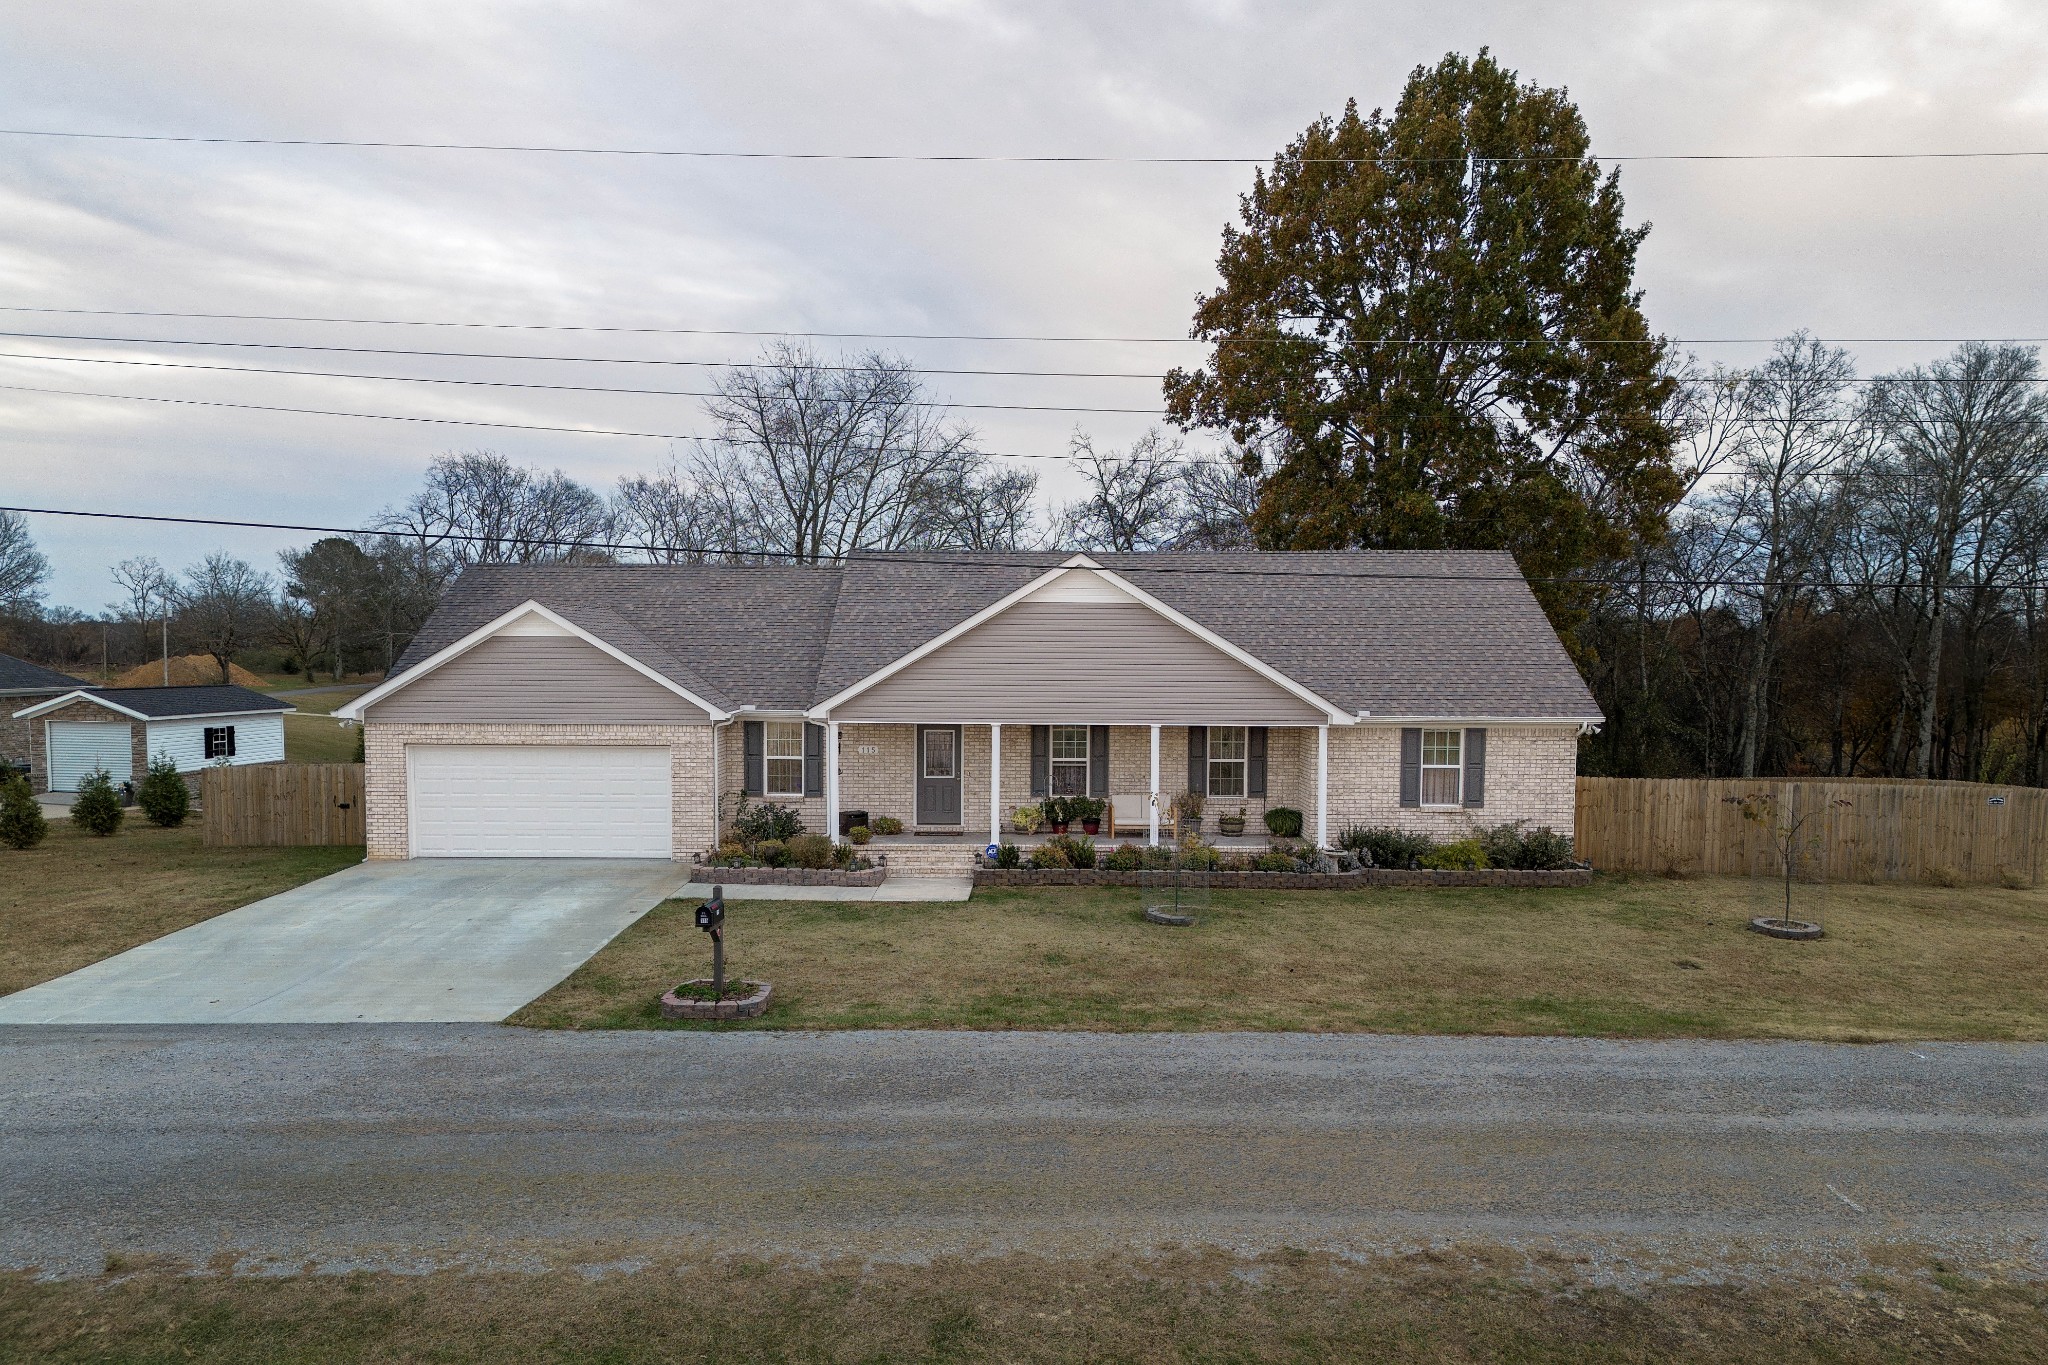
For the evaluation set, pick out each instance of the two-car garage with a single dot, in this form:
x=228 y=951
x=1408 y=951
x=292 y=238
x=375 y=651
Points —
x=539 y=801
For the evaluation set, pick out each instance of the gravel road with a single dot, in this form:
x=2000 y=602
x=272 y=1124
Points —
x=427 y=1145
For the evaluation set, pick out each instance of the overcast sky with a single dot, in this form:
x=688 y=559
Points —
x=1847 y=249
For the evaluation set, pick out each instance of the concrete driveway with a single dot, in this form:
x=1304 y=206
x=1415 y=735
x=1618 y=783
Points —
x=456 y=940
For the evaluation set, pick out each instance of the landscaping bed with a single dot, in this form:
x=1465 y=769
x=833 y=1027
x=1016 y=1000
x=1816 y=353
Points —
x=1287 y=881
x=786 y=876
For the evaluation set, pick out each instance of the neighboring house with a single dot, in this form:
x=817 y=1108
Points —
x=23 y=684
x=621 y=711
x=121 y=729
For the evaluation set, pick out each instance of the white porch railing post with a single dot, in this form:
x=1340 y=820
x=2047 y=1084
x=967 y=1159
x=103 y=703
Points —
x=995 y=784
x=1153 y=814
x=1322 y=786
x=832 y=780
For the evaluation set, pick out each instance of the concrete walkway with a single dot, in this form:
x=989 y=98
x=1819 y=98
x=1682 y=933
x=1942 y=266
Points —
x=412 y=1147
x=452 y=940
x=895 y=890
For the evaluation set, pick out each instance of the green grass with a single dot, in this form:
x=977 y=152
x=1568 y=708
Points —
x=318 y=739
x=1625 y=957
x=75 y=898
x=1457 y=1304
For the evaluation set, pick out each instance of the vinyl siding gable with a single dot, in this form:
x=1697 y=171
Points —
x=538 y=680
x=1106 y=663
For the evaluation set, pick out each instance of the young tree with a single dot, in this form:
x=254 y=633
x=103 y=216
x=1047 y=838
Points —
x=23 y=569
x=223 y=607
x=1427 y=326
x=163 y=796
x=22 y=823
x=97 y=807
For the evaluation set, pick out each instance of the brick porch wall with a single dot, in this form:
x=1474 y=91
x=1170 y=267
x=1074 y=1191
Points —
x=384 y=777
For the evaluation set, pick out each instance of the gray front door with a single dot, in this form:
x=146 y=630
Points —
x=938 y=774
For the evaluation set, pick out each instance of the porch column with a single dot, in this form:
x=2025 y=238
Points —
x=1153 y=814
x=1322 y=786
x=832 y=780
x=995 y=783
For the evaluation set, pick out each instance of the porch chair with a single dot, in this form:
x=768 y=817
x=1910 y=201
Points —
x=1131 y=813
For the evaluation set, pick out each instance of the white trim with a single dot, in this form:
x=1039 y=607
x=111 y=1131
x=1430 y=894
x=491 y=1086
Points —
x=1337 y=715
x=831 y=775
x=1578 y=723
x=995 y=783
x=1153 y=814
x=31 y=712
x=1322 y=786
x=354 y=710
x=1424 y=768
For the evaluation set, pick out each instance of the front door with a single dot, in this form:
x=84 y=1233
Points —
x=938 y=774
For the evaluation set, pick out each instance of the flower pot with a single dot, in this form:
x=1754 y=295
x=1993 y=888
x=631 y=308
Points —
x=1060 y=828
x=1228 y=828
x=1091 y=827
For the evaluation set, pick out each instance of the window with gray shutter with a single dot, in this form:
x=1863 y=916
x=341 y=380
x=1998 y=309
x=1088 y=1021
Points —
x=1041 y=760
x=1411 y=767
x=754 y=764
x=1475 y=768
x=1098 y=760
x=1198 y=758
x=814 y=760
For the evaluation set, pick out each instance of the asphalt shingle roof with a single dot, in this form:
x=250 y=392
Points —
x=160 y=703
x=1394 y=633
x=18 y=676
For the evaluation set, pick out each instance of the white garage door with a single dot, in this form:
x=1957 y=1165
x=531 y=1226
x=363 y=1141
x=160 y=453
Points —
x=79 y=746
x=537 y=801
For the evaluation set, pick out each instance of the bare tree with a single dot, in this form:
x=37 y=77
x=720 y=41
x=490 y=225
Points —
x=223 y=607
x=986 y=509
x=815 y=461
x=1133 y=500
x=482 y=509
x=147 y=590
x=668 y=519
x=1217 y=500
x=23 y=569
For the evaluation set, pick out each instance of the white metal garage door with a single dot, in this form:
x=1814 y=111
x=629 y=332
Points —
x=79 y=746
x=538 y=801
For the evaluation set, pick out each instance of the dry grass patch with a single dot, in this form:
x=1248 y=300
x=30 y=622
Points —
x=75 y=899
x=1193 y=1306
x=1625 y=957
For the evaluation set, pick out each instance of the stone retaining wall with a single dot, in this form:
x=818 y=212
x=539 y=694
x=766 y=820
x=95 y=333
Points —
x=785 y=876
x=1288 y=881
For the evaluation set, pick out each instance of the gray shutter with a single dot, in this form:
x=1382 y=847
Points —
x=229 y=732
x=1198 y=758
x=1255 y=761
x=1411 y=767
x=754 y=771
x=1098 y=760
x=1475 y=768
x=814 y=760
x=1041 y=759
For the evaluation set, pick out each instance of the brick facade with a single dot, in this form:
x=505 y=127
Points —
x=1531 y=774
x=384 y=748
x=21 y=741
x=138 y=738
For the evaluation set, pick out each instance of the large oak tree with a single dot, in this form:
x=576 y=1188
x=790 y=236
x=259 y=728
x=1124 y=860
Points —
x=1428 y=336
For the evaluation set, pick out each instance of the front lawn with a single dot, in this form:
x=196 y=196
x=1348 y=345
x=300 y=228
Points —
x=319 y=739
x=75 y=899
x=1625 y=957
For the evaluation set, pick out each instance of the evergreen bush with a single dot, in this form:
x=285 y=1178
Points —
x=163 y=796
x=1283 y=822
x=1381 y=846
x=97 y=809
x=1009 y=855
x=767 y=820
x=21 y=820
x=1463 y=856
x=772 y=853
x=813 y=851
x=886 y=824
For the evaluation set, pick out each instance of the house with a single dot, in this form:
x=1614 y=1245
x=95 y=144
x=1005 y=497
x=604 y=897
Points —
x=121 y=729
x=624 y=710
x=23 y=684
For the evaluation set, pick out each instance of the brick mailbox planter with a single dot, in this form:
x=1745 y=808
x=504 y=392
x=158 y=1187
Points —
x=752 y=1006
x=1288 y=881
x=787 y=876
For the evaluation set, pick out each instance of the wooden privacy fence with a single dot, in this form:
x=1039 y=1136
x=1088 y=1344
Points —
x=283 y=803
x=1861 y=830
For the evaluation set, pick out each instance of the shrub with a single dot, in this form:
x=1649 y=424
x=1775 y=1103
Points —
x=813 y=851
x=1154 y=857
x=1057 y=811
x=21 y=820
x=732 y=848
x=753 y=823
x=1050 y=855
x=860 y=834
x=1200 y=858
x=1539 y=850
x=163 y=795
x=1008 y=855
x=1464 y=856
x=1124 y=858
x=1024 y=819
x=1382 y=846
x=1187 y=806
x=772 y=853
x=886 y=824
x=1080 y=852
x=1276 y=861
x=97 y=810
x=1081 y=809
x=362 y=750
x=843 y=857
x=1283 y=822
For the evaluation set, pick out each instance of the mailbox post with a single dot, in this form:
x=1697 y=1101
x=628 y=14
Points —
x=711 y=919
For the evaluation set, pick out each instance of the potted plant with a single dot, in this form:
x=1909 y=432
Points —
x=1187 y=809
x=1090 y=814
x=1025 y=819
x=1058 y=812
x=1231 y=826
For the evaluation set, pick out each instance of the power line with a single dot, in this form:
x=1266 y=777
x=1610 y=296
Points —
x=728 y=154
x=1040 y=564
x=966 y=336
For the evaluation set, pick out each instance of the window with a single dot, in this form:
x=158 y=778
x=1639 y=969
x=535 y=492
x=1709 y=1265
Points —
x=1069 y=760
x=219 y=741
x=938 y=754
x=1443 y=767
x=784 y=741
x=1228 y=746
